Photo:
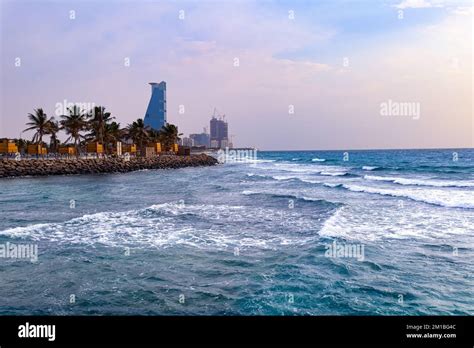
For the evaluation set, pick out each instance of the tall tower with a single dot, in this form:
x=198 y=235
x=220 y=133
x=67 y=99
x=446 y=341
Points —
x=219 y=133
x=155 y=116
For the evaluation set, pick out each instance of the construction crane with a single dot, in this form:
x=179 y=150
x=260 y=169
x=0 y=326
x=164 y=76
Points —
x=218 y=115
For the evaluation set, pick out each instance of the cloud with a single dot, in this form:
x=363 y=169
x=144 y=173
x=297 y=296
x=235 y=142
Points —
x=463 y=10
x=413 y=4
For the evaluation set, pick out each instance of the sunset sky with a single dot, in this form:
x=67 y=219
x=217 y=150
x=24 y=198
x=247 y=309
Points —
x=334 y=62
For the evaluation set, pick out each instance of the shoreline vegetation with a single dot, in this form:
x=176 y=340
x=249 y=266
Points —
x=93 y=131
x=95 y=144
x=65 y=166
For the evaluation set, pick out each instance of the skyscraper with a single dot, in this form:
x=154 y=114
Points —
x=155 y=116
x=219 y=133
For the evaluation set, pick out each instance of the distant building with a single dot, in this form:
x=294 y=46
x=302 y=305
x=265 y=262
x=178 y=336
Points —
x=219 y=133
x=155 y=116
x=201 y=139
x=214 y=144
x=187 y=142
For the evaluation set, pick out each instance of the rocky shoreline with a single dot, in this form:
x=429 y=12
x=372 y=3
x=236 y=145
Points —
x=42 y=167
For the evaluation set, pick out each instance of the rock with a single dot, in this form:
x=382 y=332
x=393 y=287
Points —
x=24 y=167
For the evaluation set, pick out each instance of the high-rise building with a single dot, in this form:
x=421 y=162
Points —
x=200 y=139
x=155 y=116
x=214 y=144
x=219 y=133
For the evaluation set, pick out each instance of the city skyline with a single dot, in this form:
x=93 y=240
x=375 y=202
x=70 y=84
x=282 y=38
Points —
x=280 y=70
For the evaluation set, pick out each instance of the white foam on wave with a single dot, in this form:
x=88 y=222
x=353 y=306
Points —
x=421 y=182
x=247 y=161
x=436 y=195
x=284 y=177
x=302 y=178
x=305 y=198
x=166 y=225
x=253 y=160
x=374 y=222
x=257 y=175
x=332 y=185
x=325 y=170
x=444 y=198
x=333 y=173
x=306 y=179
x=318 y=160
x=296 y=168
x=369 y=168
x=274 y=177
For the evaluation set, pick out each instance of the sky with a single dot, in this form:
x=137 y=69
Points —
x=288 y=75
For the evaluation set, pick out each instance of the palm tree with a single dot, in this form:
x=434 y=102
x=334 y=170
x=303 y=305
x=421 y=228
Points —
x=169 y=135
x=138 y=132
x=154 y=136
x=23 y=145
x=98 y=122
x=113 y=133
x=39 y=122
x=74 y=124
x=52 y=130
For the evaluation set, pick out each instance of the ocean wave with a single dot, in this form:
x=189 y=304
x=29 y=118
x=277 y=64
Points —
x=296 y=168
x=283 y=177
x=287 y=196
x=318 y=160
x=462 y=199
x=370 y=168
x=336 y=173
x=421 y=182
x=448 y=169
x=332 y=185
x=273 y=177
x=169 y=224
x=257 y=175
x=336 y=225
x=358 y=223
x=251 y=160
x=325 y=170
x=303 y=179
x=247 y=160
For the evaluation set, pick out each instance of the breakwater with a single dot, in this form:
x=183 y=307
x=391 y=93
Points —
x=41 y=167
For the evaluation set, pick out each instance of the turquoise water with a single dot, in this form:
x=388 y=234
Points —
x=248 y=238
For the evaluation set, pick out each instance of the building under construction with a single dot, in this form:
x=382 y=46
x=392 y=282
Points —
x=219 y=137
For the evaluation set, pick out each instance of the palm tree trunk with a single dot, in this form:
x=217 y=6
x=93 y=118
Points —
x=76 y=147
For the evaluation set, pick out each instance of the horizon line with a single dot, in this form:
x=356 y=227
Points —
x=376 y=149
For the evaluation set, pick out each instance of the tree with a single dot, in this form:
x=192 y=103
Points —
x=113 y=133
x=53 y=129
x=39 y=122
x=155 y=136
x=73 y=124
x=23 y=145
x=169 y=135
x=138 y=132
x=98 y=123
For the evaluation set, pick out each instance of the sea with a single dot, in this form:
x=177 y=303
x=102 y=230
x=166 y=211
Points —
x=377 y=232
